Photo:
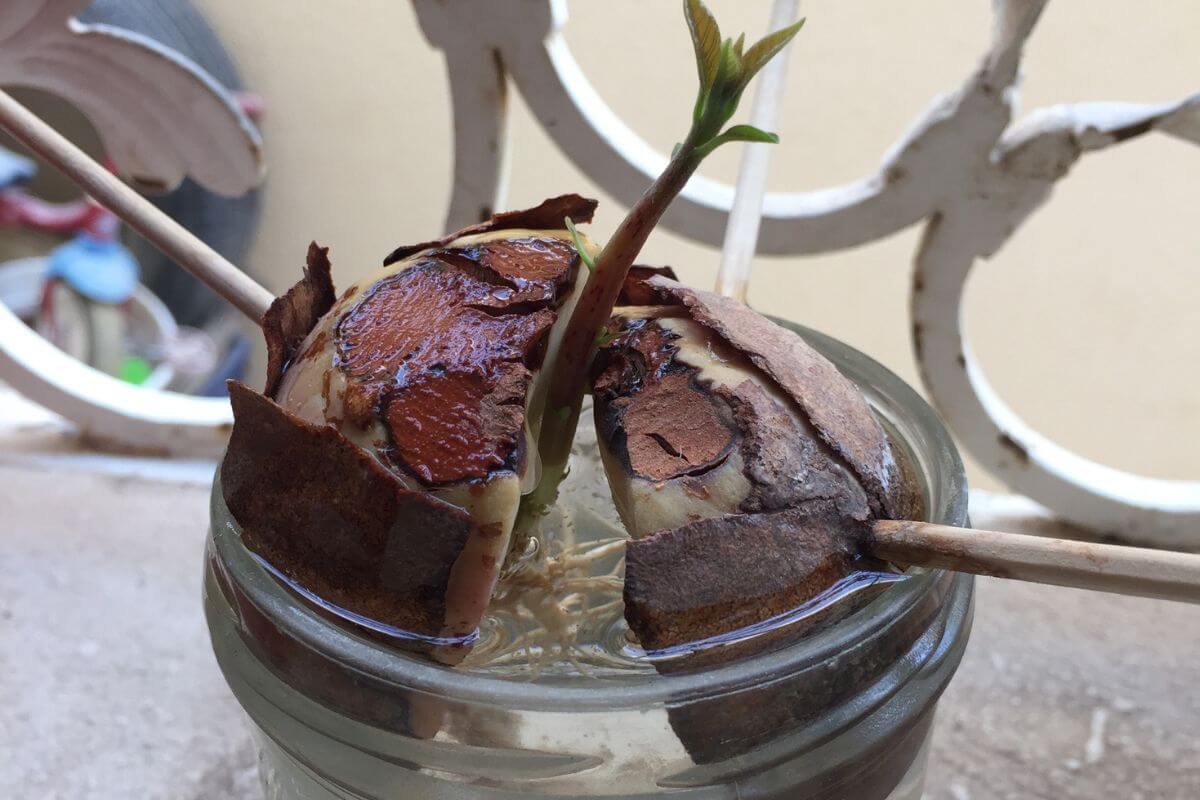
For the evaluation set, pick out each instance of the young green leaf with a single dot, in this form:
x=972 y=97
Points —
x=766 y=49
x=706 y=40
x=749 y=133
x=738 y=133
x=584 y=255
x=725 y=93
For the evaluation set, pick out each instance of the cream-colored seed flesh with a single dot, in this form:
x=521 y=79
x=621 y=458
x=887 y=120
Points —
x=648 y=506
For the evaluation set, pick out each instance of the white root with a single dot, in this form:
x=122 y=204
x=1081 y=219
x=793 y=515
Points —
x=554 y=593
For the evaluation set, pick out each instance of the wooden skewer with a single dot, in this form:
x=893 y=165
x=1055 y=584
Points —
x=745 y=217
x=1101 y=567
x=175 y=241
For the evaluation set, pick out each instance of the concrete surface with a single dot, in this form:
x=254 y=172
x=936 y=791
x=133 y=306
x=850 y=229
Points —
x=108 y=689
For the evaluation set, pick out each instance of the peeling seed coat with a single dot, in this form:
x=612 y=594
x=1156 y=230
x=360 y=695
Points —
x=516 y=284
x=753 y=450
x=802 y=480
x=833 y=405
x=481 y=458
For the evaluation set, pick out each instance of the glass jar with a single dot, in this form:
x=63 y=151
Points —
x=843 y=713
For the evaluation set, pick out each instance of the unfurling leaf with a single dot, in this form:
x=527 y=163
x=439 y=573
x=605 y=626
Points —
x=749 y=133
x=706 y=40
x=738 y=133
x=766 y=49
x=725 y=92
x=584 y=255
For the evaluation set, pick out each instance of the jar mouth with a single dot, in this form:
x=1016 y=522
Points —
x=910 y=422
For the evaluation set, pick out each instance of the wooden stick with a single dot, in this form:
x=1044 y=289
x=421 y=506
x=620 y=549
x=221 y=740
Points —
x=1062 y=562
x=745 y=217
x=175 y=242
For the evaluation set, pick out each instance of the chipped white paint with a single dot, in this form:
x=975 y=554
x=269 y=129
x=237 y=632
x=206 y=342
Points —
x=161 y=118
x=963 y=169
x=1008 y=188
x=929 y=164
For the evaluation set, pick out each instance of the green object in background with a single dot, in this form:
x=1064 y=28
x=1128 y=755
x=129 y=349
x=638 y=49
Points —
x=135 y=370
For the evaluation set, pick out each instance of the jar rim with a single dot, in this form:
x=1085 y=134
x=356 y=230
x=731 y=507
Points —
x=939 y=469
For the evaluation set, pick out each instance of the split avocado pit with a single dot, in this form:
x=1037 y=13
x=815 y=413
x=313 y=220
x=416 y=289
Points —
x=384 y=467
x=744 y=489
x=427 y=377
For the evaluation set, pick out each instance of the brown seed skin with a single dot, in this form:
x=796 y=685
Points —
x=673 y=400
x=786 y=463
x=443 y=352
x=295 y=313
x=835 y=407
x=719 y=575
x=812 y=476
x=637 y=291
x=336 y=521
x=696 y=439
x=547 y=215
x=351 y=512
x=653 y=412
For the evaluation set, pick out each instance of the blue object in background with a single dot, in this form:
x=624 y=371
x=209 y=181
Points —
x=15 y=169
x=101 y=270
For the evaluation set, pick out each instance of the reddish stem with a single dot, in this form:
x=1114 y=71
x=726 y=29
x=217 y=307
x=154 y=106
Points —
x=569 y=380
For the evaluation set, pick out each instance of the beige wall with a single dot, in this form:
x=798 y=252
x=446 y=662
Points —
x=1087 y=323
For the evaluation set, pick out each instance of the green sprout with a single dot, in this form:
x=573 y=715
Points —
x=584 y=255
x=725 y=68
x=725 y=71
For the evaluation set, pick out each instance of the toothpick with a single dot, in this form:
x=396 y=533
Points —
x=175 y=241
x=1062 y=562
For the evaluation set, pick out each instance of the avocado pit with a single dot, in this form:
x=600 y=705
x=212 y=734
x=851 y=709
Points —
x=774 y=518
x=416 y=389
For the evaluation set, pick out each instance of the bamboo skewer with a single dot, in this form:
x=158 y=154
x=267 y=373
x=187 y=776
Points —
x=1062 y=562
x=175 y=241
x=745 y=217
x=1123 y=570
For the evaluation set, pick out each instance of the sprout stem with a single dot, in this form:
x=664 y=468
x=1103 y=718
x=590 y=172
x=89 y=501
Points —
x=724 y=68
x=569 y=378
